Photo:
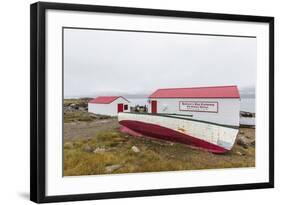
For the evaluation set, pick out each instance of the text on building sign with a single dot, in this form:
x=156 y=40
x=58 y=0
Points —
x=198 y=106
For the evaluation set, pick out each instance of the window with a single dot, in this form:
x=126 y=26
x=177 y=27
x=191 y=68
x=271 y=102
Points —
x=125 y=107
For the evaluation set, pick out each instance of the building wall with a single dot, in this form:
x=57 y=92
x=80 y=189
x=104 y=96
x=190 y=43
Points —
x=228 y=109
x=107 y=109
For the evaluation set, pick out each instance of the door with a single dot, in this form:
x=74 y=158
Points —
x=154 y=106
x=120 y=107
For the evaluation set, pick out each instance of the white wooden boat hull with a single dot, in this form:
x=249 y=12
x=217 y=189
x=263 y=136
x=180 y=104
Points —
x=205 y=135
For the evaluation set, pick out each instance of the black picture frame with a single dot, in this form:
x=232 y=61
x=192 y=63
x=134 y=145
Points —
x=38 y=101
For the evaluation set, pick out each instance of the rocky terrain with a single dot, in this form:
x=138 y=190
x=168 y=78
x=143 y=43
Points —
x=76 y=110
x=71 y=105
x=94 y=145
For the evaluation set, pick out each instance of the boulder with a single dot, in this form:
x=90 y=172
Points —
x=112 y=168
x=240 y=153
x=82 y=108
x=242 y=142
x=246 y=140
x=99 y=150
x=92 y=115
x=135 y=149
x=87 y=148
x=68 y=145
x=253 y=143
x=74 y=106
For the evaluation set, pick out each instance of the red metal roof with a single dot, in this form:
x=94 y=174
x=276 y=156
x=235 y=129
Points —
x=198 y=92
x=104 y=99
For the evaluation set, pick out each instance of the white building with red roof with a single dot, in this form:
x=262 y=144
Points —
x=218 y=104
x=108 y=105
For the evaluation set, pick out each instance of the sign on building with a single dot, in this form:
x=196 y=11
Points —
x=198 y=106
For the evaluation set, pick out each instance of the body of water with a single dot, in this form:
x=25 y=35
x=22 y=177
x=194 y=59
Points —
x=247 y=104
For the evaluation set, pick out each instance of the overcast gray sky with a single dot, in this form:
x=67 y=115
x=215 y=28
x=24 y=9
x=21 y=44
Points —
x=122 y=63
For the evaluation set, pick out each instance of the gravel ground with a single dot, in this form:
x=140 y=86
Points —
x=86 y=130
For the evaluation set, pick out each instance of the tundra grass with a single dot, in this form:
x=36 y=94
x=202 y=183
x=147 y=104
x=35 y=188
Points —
x=153 y=156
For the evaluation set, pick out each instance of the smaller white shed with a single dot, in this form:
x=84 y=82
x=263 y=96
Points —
x=108 y=105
